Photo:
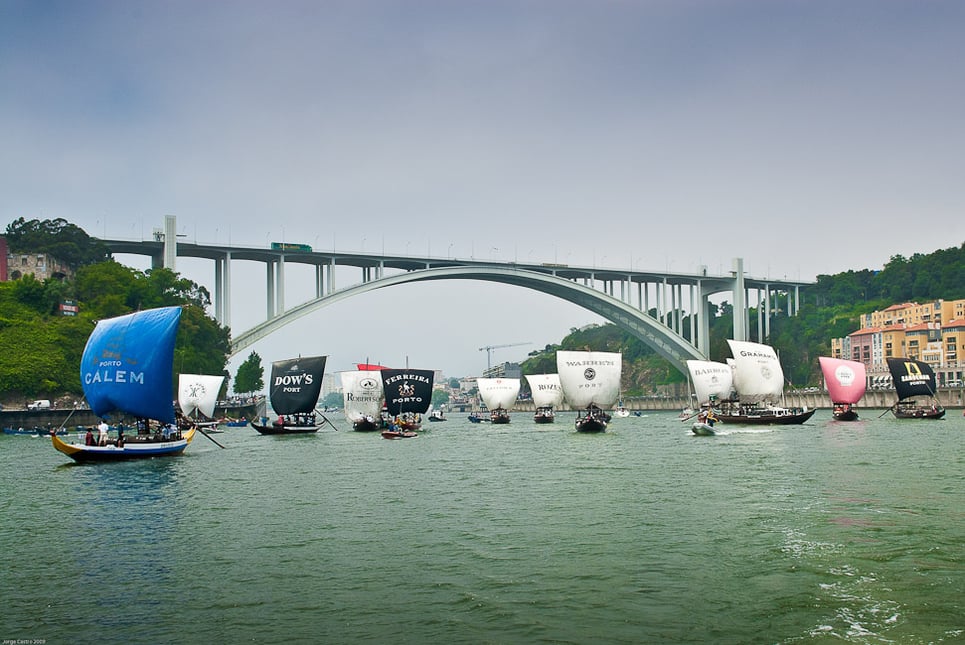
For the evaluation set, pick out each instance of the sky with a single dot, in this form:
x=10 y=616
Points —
x=806 y=137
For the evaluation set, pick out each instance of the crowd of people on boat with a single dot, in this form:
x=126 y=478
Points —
x=301 y=419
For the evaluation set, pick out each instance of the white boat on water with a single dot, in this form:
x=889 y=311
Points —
x=547 y=395
x=591 y=383
x=499 y=395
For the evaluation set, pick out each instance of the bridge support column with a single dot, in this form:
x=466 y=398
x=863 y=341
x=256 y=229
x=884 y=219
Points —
x=170 y=242
x=280 y=291
x=270 y=266
x=767 y=312
x=222 y=289
x=319 y=280
x=740 y=300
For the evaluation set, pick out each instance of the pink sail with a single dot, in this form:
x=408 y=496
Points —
x=844 y=379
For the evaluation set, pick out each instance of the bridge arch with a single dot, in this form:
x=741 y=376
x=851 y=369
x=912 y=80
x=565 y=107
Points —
x=662 y=339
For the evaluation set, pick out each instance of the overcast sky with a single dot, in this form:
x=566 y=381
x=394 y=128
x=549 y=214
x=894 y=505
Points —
x=806 y=137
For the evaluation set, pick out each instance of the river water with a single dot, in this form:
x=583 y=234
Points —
x=826 y=532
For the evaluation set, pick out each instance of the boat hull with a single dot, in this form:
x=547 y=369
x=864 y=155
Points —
x=273 y=429
x=590 y=424
x=848 y=415
x=543 y=418
x=500 y=418
x=364 y=425
x=767 y=417
x=131 y=450
x=918 y=413
x=398 y=434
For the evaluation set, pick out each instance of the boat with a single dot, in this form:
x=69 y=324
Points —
x=712 y=382
x=845 y=382
x=759 y=383
x=37 y=431
x=915 y=387
x=408 y=395
x=499 y=395
x=437 y=416
x=126 y=369
x=590 y=382
x=198 y=395
x=362 y=390
x=547 y=395
x=478 y=417
x=295 y=386
x=621 y=411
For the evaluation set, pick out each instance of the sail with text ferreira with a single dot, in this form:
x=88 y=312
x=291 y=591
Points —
x=296 y=384
x=126 y=371
x=408 y=395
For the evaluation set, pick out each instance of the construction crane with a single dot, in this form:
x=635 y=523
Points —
x=489 y=351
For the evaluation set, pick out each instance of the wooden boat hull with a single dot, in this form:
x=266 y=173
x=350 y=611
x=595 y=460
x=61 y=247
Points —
x=590 y=424
x=364 y=425
x=918 y=413
x=132 y=449
x=543 y=418
x=273 y=429
x=398 y=434
x=766 y=417
x=847 y=415
x=499 y=418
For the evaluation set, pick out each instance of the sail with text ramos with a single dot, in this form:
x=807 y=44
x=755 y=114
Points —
x=126 y=370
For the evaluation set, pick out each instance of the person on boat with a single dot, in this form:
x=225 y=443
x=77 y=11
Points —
x=89 y=438
x=280 y=421
x=102 y=429
x=120 y=438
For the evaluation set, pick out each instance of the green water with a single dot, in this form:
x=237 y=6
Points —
x=827 y=532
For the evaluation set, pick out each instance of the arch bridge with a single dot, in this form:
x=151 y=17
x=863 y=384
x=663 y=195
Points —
x=650 y=305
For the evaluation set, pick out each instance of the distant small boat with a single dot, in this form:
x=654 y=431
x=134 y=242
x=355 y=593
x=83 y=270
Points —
x=703 y=429
x=399 y=434
x=295 y=387
x=621 y=412
x=437 y=415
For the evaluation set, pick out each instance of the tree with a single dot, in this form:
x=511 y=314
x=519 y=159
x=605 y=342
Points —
x=57 y=237
x=439 y=397
x=249 y=376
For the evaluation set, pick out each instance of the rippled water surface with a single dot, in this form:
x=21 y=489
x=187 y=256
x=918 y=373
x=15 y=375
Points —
x=826 y=532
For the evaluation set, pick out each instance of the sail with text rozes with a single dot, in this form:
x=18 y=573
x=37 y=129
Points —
x=296 y=384
x=127 y=365
x=362 y=390
x=844 y=379
x=498 y=393
x=199 y=392
x=589 y=378
x=407 y=390
x=712 y=381
x=757 y=372
x=546 y=389
x=911 y=377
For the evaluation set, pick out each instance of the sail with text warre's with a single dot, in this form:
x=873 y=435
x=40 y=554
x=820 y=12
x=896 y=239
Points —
x=844 y=379
x=911 y=378
x=590 y=378
x=127 y=365
x=712 y=381
x=199 y=392
x=407 y=391
x=296 y=384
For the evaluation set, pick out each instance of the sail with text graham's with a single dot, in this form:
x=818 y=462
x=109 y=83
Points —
x=127 y=365
x=758 y=375
x=296 y=384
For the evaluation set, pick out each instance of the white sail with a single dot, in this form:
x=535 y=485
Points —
x=711 y=380
x=362 y=391
x=198 y=392
x=590 y=377
x=546 y=389
x=757 y=372
x=498 y=393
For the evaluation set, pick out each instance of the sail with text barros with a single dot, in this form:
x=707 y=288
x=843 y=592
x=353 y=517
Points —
x=712 y=381
x=296 y=384
x=498 y=393
x=199 y=392
x=546 y=389
x=844 y=379
x=758 y=375
x=590 y=378
x=362 y=390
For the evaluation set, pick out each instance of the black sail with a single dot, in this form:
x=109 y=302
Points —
x=407 y=390
x=296 y=384
x=911 y=377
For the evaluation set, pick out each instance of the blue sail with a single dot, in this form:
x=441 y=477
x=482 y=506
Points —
x=127 y=364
